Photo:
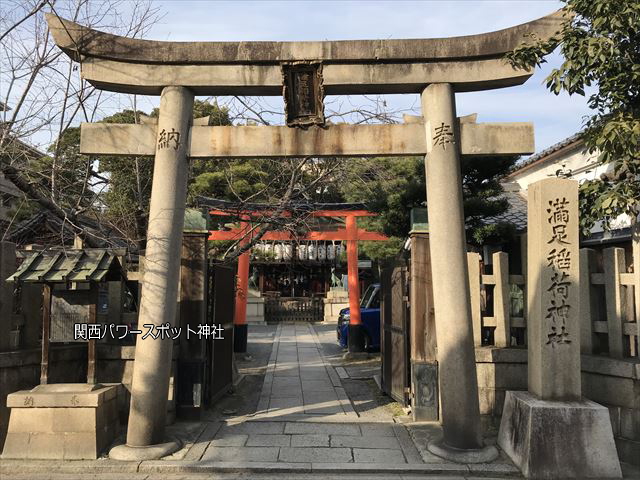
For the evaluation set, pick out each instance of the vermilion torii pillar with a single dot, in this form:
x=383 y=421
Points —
x=309 y=70
x=242 y=291
x=356 y=340
x=351 y=234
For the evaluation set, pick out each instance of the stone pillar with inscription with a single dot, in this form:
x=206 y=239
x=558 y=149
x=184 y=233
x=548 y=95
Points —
x=150 y=384
x=549 y=431
x=460 y=409
x=552 y=290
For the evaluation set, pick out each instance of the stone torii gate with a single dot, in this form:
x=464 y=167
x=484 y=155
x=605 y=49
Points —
x=351 y=234
x=304 y=72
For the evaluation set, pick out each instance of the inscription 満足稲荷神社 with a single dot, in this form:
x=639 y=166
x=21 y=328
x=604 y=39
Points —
x=560 y=262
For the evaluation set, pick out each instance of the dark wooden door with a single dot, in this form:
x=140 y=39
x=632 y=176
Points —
x=394 y=316
x=221 y=304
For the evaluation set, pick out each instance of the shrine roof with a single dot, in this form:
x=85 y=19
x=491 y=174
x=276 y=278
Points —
x=292 y=206
x=84 y=265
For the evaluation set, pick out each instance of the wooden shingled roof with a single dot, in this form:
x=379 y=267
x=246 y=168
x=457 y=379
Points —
x=85 y=265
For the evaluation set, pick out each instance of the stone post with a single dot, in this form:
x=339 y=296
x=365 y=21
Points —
x=454 y=330
x=150 y=383
x=550 y=431
x=552 y=290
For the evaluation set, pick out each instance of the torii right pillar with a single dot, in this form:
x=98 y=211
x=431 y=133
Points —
x=462 y=432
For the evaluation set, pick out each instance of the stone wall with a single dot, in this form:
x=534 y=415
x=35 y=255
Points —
x=20 y=370
x=115 y=365
x=255 y=310
x=610 y=382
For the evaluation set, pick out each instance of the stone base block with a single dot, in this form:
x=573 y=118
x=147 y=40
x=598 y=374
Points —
x=424 y=384
x=61 y=421
x=332 y=308
x=255 y=310
x=338 y=293
x=554 y=439
x=486 y=454
x=151 y=452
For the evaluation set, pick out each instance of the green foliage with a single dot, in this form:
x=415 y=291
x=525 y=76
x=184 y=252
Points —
x=217 y=248
x=130 y=178
x=482 y=198
x=127 y=199
x=67 y=185
x=232 y=179
x=393 y=186
x=600 y=43
x=389 y=186
x=493 y=234
x=381 y=250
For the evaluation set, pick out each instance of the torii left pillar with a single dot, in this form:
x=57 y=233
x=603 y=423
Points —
x=150 y=385
x=242 y=291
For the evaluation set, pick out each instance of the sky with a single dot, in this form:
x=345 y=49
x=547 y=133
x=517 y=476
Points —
x=555 y=117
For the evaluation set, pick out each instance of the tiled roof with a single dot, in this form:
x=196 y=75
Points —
x=67 y=266
x=546 y=152
x=28 y=230
x=517 y=212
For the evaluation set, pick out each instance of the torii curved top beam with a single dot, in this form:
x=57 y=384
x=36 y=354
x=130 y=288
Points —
x=472 y=62
x=78 y=40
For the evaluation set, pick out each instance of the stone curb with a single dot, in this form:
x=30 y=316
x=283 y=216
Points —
x=172 y=467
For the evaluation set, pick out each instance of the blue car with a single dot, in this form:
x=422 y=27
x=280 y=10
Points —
x=370 y=315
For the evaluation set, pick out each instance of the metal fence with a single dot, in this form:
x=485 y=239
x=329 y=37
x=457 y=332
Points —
x=293 y=309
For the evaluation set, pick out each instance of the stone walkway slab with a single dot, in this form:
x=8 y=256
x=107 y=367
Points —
x=390 y=443
x=298 y=381
x=241 y=454
x=315 y=454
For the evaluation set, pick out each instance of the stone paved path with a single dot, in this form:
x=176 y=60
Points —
x=308 y=442
x=303 y=416
x=299 y=383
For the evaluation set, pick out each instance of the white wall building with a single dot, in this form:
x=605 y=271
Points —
x=569 y=159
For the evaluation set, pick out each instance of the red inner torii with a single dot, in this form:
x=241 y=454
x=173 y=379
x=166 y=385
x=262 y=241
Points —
x=351 y=234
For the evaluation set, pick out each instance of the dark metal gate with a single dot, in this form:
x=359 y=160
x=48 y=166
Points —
x=293 y=309
x=394 y=316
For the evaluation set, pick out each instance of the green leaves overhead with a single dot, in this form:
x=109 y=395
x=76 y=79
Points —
x=392 y=186
x=600 y=43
